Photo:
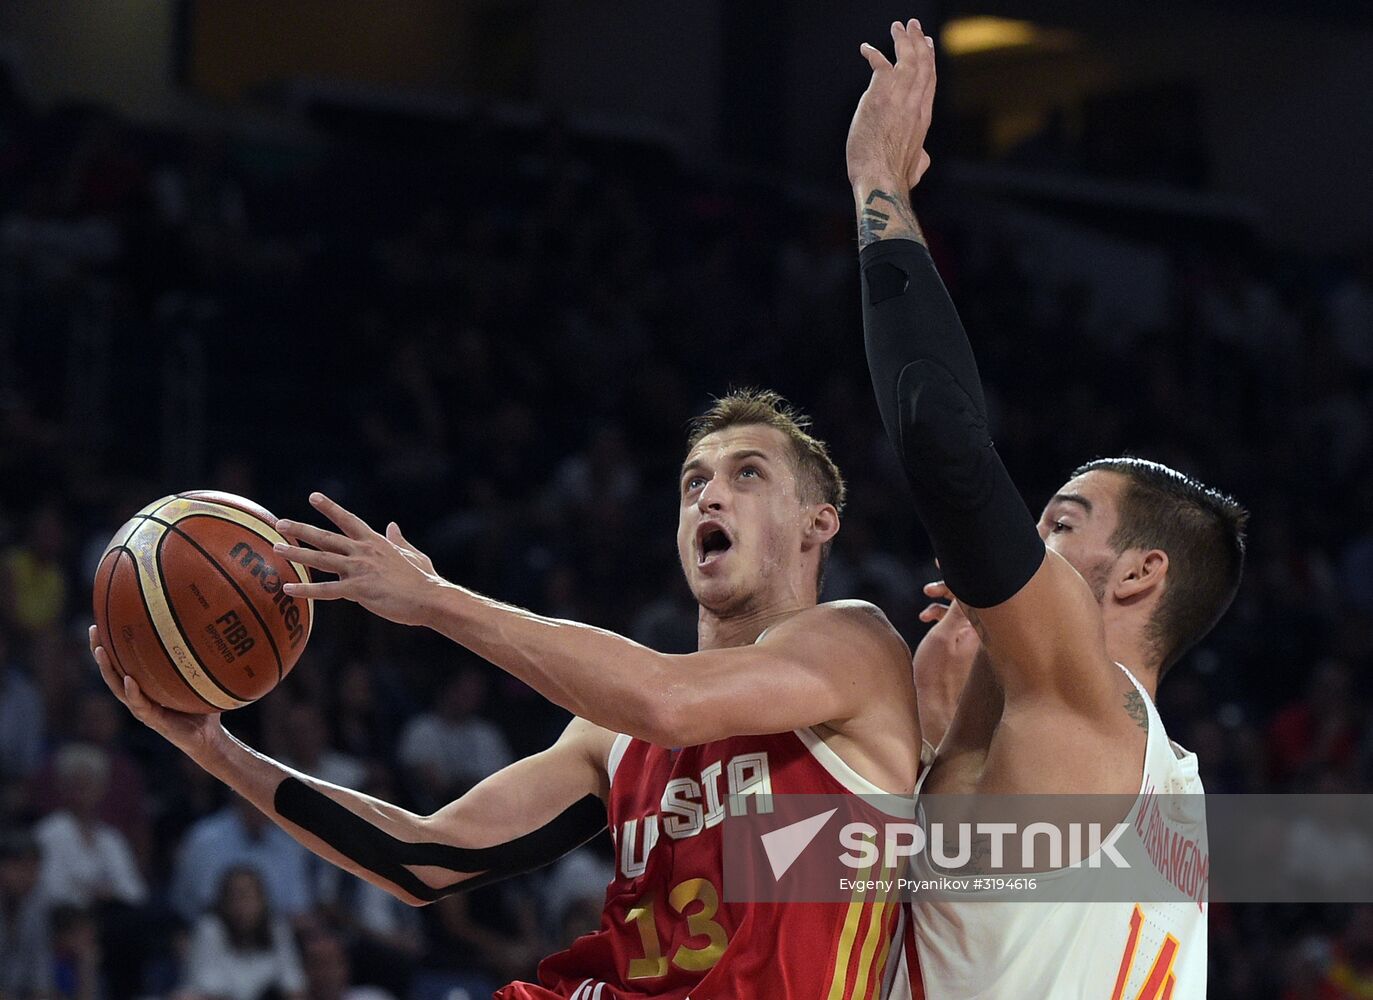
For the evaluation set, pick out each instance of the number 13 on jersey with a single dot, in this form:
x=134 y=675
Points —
x=700 y=923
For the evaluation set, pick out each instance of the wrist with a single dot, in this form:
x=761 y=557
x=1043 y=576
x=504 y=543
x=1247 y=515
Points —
x=208 y=746
x=884 y=212
x=434 y=604
x=889 y=184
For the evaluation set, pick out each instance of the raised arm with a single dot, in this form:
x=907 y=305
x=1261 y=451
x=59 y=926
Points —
x=786 y=680
x=1033 y=611
x=524 y=816
x=814 y=668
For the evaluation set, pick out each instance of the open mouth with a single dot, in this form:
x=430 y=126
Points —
x=712 y=541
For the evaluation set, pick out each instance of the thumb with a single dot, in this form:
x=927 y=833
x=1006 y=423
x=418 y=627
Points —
x=874 y=57
x=394 y=536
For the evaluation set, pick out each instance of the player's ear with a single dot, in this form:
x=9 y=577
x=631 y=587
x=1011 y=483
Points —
x=1144 y=572
x=823 y=524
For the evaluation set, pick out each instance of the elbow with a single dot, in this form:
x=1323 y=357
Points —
x=665 y=728
x=660 y=723
x=665 y=713
x=430 y=894
x=398 y=892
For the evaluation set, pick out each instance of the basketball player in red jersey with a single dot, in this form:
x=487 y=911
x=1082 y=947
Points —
x=1078 y=616
x=784 y=696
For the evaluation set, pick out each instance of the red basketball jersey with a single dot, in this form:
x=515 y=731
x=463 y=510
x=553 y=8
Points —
x=667 y=932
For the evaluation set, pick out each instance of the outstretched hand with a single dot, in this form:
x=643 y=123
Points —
x=887 y=137
x=386 y=574
x=189 y=733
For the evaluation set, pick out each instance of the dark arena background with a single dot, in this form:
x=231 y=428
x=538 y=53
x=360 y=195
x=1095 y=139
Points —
x=472 y=265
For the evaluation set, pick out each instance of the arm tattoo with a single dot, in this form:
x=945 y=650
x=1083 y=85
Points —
x=883 y=211
x=1135 y=708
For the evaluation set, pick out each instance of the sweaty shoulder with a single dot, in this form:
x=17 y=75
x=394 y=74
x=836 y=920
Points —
x=861 y=615
x=856 y=629
x=856 y=609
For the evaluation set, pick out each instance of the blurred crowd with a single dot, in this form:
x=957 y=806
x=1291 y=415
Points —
x=494 y=335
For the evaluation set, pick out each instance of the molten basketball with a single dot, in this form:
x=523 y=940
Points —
x=189 y=600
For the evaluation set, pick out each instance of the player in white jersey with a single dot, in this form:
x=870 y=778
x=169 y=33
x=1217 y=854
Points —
x=1130 y=564
x=986 y=944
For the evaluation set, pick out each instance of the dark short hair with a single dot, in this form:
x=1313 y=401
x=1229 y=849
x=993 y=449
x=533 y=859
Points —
x=1202 y=531
x=818 y=479
x=259 y=936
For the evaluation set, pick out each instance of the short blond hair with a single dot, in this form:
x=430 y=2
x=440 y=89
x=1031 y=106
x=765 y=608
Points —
x=818 y=479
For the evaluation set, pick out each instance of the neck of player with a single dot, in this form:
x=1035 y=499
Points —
x=1128 y=643
x=742 y=628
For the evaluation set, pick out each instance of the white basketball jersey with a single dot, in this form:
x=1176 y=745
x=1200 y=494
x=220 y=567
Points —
x=990 y=949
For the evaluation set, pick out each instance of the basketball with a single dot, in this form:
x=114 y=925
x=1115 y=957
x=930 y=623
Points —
x=189 y=601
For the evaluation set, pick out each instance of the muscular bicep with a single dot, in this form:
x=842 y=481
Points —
x=1048 y=638
x=815 y=669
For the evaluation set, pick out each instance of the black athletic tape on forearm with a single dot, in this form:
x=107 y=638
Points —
x=384 y=855
x=930 y=395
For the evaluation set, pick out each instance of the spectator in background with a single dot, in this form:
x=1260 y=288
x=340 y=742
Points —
x=1258 y=372
x=328 y=975
x=574 y=895
x=1305 y=968
x=241 y=950
x=360 y=727
x=1350 y=975
x=88 y=864
x=238 y=835
x=76 y=955
x=124 y=805
x=492 y=931
x=865 y=570
x=33 y=586
x=447 y=751
x=25 y=950
x=1330 y=851
x=385 y=937
x=21 y=720
x=1232 y=758
x=1319 y=731
x=667 y=623
x=605 y=472
x=307 y=749
x=85 y=861
x=185 y=795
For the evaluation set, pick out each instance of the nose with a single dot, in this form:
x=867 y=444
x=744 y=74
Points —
x=713 y=495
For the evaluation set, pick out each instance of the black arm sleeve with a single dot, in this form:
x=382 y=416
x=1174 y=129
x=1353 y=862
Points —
x=931 y=400
x=382 y=854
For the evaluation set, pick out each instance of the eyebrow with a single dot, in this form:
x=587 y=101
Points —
x=1076 y=498
x=737 y=456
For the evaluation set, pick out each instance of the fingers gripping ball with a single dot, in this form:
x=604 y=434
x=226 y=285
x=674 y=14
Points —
x=189 y=600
